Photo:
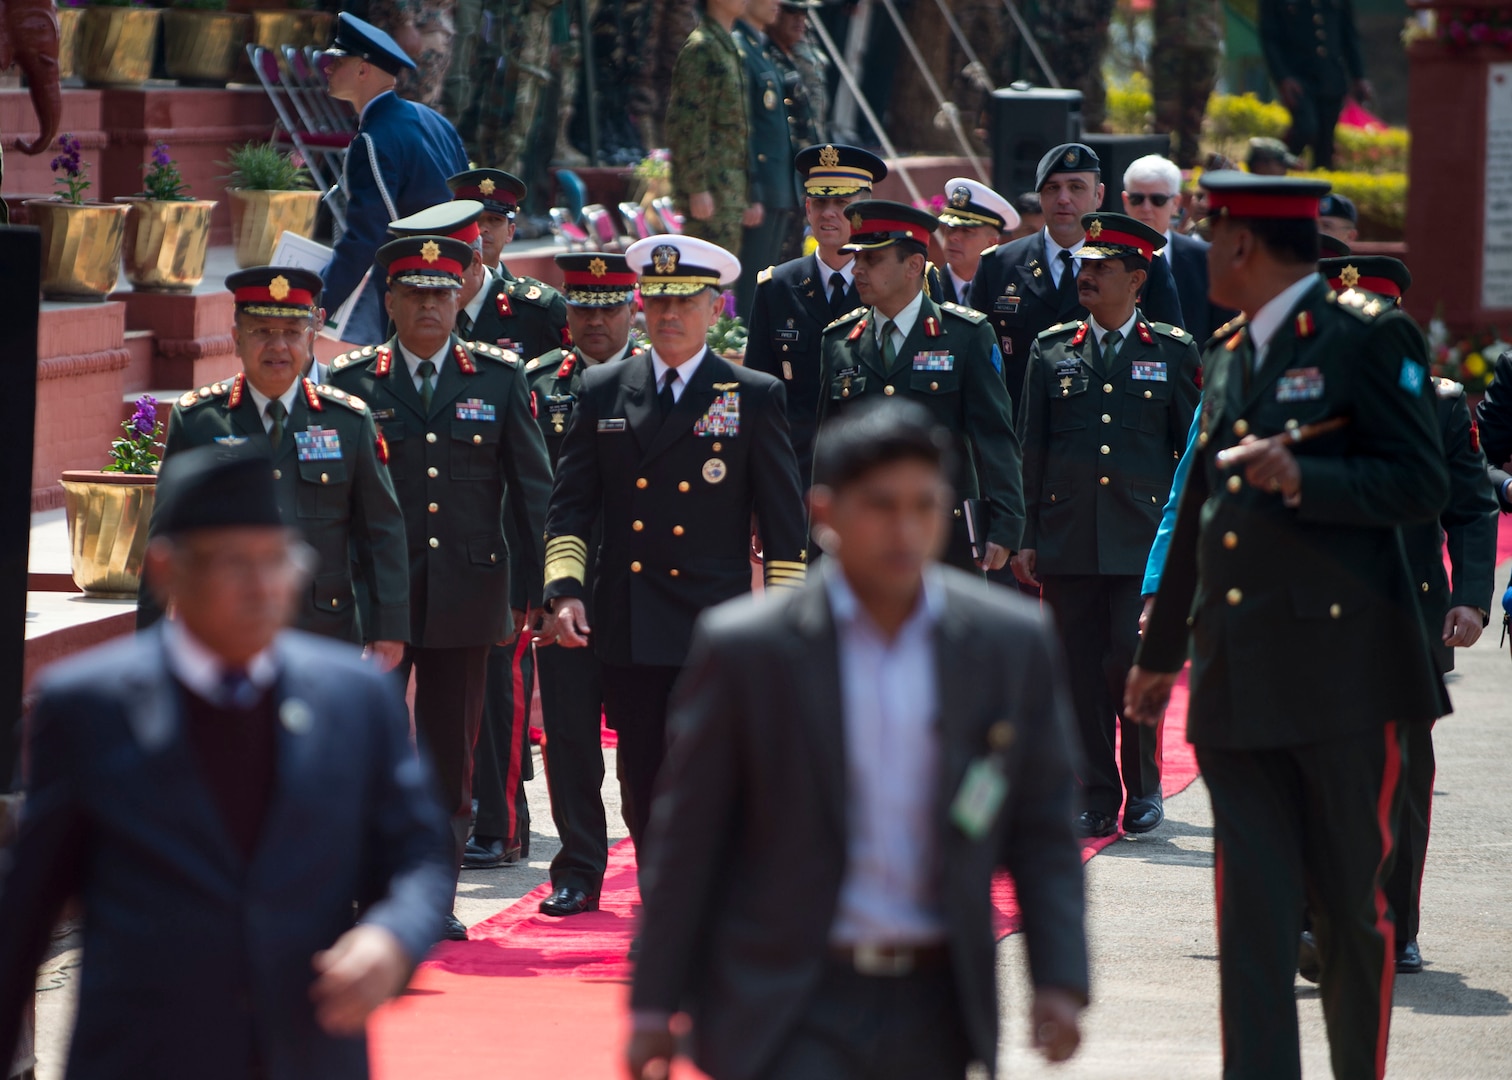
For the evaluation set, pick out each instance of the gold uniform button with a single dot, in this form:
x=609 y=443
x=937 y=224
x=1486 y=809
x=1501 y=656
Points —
x=1107 y=419
x=1104 y=481
x=1202 y=438
x=637 y=525
x=325 y=478
x=674 y=573
x=1292 y=425
x=889 y=391
x=334 y=602
x=718 y=447
x=958 y=509
x=934 y=386
x=1148 y=394
x=278 y=474
x=635 y=568
x=641 y=482
x=1052 y=499
x=433 y=507
x=683 y=486
x=1234 y=597
x=432 y=472
x=492 y=557
x=430 y=436
x=1107 y=388
x=477 y=439
x=1425 y=586
x=434 y=542
x=1241 y=428
x=845 y=392
x=1235 y=483
x=1104 y=449
x=1334 y=611
x=678 y=530
x=1231 y=540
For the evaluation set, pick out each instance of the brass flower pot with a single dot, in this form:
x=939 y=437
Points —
x=166 y=243
x=115 y=45
x=108 y=514
x=259 y=218
x=81 y=247
x=68 y=37
x=201 y=48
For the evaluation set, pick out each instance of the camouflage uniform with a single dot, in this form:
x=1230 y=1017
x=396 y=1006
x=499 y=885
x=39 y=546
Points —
x=457 y=90
x=433 y=20
x=1184 y=69
x=1074 y=36
x=671 y=22
x=708 y=134
x=515 y=65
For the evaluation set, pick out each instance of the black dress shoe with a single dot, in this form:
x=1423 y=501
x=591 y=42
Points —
x=1143 y=815
x=486 y=852
x=568 y=901
x=1095 y=823
x=454 y=930
x=1309 y=963
x=1409 y=961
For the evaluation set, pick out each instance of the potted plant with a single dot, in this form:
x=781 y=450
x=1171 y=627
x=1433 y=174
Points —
x=293 y=22
x=81 y=242
x=116 y=42
x=202 y=41
x=728 y=335
x=109 y=510
x=270 y=193
x=167 y=231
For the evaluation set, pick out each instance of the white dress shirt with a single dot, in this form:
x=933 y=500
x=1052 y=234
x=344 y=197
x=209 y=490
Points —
x=474 y=307
x=199 y=669
x=826 y=271
x=890 y=893
x=1052 y=256
x=903 y=321
x=261 y=401
x=684 y=371
x=962 y=285
x=1270 y=318
x=413 y=363
x=1099 y=333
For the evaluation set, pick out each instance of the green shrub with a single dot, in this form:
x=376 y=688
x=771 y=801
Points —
x=1130 y=106
x=1233 y=120
x=1381 y=199
x=1370 y=151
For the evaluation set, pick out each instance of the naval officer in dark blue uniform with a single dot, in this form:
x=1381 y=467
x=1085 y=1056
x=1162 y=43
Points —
x=396 y=166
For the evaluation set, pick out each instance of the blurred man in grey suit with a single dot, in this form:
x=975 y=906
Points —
x=834 y=921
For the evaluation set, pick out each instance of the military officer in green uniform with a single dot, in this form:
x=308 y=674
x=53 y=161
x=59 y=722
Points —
x=1107 y=404
x=673 y=453
x=1454 y=611
x=1287 y=585
x=600 y=291
x=327 y=460
x=707 y=130
x=941 y=355
x=456 y=420
x=798 y=299
x=1312 y=51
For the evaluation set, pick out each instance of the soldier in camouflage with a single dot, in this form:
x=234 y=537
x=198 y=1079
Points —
x=707 y=130
x=425 y=29
x=1183 y=70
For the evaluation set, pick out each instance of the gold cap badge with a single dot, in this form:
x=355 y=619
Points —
x=829 y=157
x=1095 y=229
x=664 y=259
x=1349 y=277
x=278 y=288
x=487 y=186
x=856 y=222
x=598 y=268
x=1070 y=158
x=960 y=197
x=430 y=251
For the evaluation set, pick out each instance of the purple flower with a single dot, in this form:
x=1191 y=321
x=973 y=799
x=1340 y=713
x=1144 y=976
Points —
x=160 y=156
x=144 y=420
x=729 y=305
x=1480 y=33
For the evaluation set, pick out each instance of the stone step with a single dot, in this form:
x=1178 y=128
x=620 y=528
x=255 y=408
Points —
x=141 y=344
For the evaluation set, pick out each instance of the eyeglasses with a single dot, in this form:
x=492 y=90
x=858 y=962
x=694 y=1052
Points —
x=263 y=336
x=1137 y=198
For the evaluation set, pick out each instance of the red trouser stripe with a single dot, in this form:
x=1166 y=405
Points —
x=517 y=736
x=1390 y=777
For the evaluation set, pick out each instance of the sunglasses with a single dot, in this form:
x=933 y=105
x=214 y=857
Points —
x=1137 y=198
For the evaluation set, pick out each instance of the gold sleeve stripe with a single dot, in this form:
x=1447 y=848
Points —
x=566 y=557
x=783 y=583
x=779 y=564
x=557 y=543
x=779 y=571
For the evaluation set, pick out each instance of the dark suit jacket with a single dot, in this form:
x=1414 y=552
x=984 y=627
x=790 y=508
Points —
x=1014 y=288
x=1315 y=43
x=750 y=842
x=675 y=497
x=1493 y=416
x=196 y=957
x=1187 y=256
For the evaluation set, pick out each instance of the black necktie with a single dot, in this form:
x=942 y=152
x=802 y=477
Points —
x=837 y=294
x=276 y=413
x=426 y=370
x=666 y=399
x=1068 y=298
x=1110 y=342
x=464 y=326
x=237 y=690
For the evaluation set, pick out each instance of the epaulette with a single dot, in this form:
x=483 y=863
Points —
x=545 y=360
x=367 y=352
x=1355 y=302
x=1448 y=388
x=204 y=394
x=990 y=250
x=847 y=317
x=764 y=276
x=351 y=401
x=530 y=290
x=493 y=352
x=1170 y=331
x=1058 y=328
x=971 y=315
x=1234 y=325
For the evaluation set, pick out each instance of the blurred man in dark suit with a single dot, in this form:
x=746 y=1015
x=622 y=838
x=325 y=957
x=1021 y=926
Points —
x=217 y=792
x=834 y=921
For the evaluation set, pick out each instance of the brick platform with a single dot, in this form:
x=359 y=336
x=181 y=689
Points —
x=191 y=335
x=81 y=377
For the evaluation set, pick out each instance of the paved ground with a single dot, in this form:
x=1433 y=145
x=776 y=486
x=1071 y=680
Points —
x=1152 y=927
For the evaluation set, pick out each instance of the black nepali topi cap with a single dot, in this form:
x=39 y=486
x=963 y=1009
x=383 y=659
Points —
x=1117 y=236
x=359 y=38
x=1067 y=157
x=1379 y=274
x=834 y=171
x=596 y=279
x=425 y=262
x=283 y=292
x=216 y=487
x=880 y=223
x=499 y=192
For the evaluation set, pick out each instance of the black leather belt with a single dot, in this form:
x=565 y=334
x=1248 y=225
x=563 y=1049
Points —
x=891 y=961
